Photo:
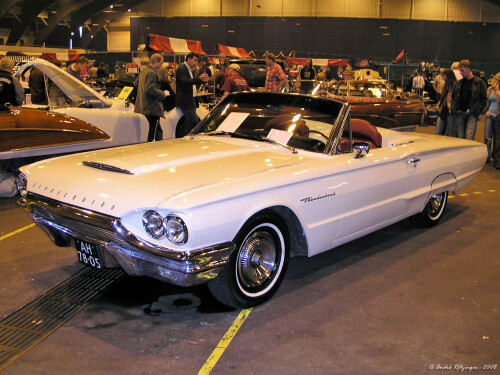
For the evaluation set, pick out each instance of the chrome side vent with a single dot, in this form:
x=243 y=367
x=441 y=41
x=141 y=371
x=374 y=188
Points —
x=106 y=167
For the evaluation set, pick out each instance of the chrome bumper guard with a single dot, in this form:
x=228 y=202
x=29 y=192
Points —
x=121 y=249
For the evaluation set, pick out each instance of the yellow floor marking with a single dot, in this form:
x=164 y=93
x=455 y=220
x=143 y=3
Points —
x=473 y=193
x=16 y=232
x=224 y=343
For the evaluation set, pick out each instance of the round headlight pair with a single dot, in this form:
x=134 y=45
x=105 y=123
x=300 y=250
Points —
x=172 y=227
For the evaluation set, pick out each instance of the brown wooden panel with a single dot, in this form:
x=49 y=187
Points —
x=25 y=128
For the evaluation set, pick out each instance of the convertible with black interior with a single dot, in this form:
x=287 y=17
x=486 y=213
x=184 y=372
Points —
x=262 y=178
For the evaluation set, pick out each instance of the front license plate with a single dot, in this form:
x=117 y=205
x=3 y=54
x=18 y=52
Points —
x=88 y=254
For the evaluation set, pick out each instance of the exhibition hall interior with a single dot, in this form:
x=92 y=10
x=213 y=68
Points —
x=249 y=186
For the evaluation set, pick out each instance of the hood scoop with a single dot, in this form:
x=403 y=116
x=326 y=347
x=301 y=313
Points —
x=106 y=167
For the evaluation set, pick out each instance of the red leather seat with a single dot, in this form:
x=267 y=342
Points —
x=362 y=131
x=365 y=131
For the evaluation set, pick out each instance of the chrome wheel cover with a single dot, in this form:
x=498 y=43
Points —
x=435 y=205
x=256 y=259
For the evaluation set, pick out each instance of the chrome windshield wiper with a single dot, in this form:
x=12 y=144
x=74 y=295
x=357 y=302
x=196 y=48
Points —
x=252 y=137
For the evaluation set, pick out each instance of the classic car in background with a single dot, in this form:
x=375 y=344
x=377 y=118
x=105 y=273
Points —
x=27 y=133
x=263 y=177
x=77 y=118
x=375 y=102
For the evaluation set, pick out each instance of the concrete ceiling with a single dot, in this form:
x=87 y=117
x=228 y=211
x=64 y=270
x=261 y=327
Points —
x=43 y=16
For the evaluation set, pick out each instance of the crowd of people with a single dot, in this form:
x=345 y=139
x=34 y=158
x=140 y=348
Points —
x=461 y=103
x=12 y=91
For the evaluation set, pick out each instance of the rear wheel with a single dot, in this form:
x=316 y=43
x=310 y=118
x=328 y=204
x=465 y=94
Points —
x=432 y=212
x=256 y=267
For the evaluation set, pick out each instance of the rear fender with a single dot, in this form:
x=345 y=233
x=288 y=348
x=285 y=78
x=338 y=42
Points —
x=444 y=182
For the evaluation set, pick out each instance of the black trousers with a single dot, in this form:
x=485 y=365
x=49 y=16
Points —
x=155 y=130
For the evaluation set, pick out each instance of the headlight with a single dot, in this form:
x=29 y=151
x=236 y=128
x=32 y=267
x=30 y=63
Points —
x=21 y=183
x=153 y=224
x=176 y=230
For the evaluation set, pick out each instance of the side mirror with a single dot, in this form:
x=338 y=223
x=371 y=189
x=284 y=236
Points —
x=361 y=149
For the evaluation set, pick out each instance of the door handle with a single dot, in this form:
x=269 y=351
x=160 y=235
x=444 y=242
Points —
x=413 y=161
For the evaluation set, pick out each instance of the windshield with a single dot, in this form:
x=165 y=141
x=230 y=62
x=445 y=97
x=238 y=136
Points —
x=297 y=121
x=365 y=89
x=62 y=89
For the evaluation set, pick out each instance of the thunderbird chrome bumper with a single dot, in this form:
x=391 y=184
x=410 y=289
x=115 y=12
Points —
x=121 y=249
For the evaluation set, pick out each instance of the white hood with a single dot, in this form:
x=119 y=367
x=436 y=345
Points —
x=147 y=174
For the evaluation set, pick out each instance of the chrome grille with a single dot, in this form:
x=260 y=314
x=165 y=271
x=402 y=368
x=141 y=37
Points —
x=90 y=229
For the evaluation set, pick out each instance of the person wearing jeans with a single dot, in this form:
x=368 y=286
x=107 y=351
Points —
x=491 y=114
x=468 y=101
x=446 y=121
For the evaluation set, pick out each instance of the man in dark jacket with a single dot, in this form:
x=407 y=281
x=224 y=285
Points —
x=149 y=97
x=185 y=99
x=468 y=101
x=7 y=85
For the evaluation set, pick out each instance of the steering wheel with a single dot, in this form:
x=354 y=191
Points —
x=318 y=132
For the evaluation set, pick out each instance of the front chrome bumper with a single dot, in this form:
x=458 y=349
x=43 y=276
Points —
x=121 y=249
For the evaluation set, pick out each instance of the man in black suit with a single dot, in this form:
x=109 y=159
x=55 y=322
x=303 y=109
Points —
x=185 y=99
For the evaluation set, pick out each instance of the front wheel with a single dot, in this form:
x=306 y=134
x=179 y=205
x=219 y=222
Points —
x=432 y=212
x=257 y=266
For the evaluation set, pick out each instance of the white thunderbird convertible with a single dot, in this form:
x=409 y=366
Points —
x=263 y=177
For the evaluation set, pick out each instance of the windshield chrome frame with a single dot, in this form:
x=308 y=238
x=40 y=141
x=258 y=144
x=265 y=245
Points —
x=337 y=126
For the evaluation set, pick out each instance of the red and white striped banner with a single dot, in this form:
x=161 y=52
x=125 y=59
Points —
x=230 y=51
x=173 y=45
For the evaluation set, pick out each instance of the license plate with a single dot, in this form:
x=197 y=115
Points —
x=88 y=254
